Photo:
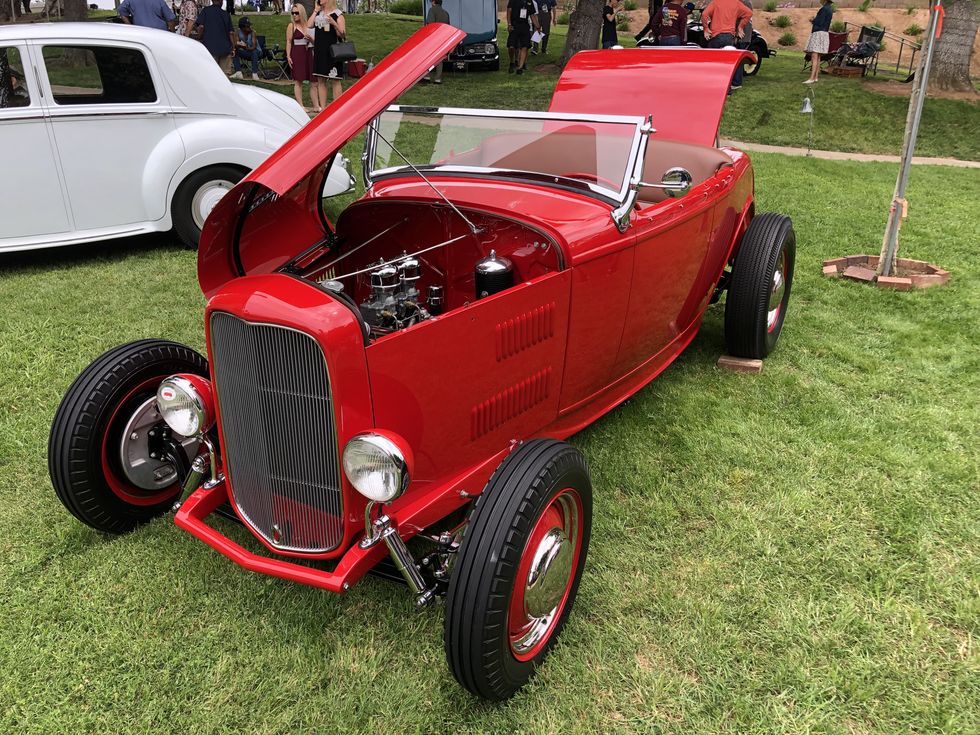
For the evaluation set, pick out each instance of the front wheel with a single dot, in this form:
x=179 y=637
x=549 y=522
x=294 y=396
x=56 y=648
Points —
x=760 y=285
x=518 y=568
x=197 y=196
x=113 y=461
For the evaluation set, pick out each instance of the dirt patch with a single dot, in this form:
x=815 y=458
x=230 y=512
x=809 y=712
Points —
x=897 y=89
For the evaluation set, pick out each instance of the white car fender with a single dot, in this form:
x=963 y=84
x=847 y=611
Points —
x=205 y=142
x=168 y=156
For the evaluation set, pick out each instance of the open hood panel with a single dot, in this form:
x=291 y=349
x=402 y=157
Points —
x=274 y=213
x=682 y=89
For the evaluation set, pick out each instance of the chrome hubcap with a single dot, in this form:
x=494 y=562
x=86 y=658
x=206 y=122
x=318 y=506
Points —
x=206 y=198
x=549 y=575
x=144 y=471
x=776 y=291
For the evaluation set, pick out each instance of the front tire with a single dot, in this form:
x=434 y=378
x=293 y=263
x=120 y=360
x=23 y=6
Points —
x=98 y=451
x=197 y=196
x=760 y=286
x=518 y=568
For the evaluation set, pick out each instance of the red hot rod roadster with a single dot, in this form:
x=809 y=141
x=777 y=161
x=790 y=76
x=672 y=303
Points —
x=409 y=372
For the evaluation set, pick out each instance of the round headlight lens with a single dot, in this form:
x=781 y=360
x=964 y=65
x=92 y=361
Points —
x=183 y=406
x=376 y=467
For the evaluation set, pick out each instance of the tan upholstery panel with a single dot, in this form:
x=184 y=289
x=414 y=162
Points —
x=702 y=163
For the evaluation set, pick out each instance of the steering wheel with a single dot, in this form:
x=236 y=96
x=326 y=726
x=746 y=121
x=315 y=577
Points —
x=603 y=181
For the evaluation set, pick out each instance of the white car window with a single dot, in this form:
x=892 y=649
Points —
x=13 y=86
x=85 y=75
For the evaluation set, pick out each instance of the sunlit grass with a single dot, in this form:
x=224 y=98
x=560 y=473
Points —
x=790 y=552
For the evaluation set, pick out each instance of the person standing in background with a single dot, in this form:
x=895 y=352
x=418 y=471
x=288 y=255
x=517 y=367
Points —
x=547 y=11
x=299 y=51
x=214 y=30
x=330 y=28
x=187 y=18
x=521 y=16
x=819 y=41
x=723 y=21
x=437 y=14
x=609 y=37
x=669 y=26
x=148 y=13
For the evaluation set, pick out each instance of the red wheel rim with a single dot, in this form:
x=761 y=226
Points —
x=121 y=488
x=545 y=575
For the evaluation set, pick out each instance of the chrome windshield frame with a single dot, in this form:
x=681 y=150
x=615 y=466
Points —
x=616 y=198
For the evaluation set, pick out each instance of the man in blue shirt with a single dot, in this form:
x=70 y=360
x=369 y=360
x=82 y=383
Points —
x=148 y=13
x=214 y=30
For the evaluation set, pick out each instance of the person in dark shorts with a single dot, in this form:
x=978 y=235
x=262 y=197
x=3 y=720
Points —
x=521 y=16
x=609 y=38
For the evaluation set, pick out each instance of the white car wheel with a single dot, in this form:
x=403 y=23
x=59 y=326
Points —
x=206 y=198
x=198 y=195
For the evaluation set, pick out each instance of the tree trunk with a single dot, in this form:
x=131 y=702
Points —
x=583 y=29
x=74 y=9
x=951 y=63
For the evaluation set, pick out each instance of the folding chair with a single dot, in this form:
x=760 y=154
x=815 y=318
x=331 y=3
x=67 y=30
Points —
x=273 y=63
x=864 y=53
x=836 y=41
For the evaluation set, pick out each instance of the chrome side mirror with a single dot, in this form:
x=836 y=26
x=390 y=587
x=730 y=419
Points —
x=676 y=182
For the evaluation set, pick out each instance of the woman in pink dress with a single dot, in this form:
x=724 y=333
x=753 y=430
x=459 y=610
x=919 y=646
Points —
x=299 y=49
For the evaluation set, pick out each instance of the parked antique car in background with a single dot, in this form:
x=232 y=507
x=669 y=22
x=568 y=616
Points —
x=116 y=130
x=478 y=19
x=410 y=371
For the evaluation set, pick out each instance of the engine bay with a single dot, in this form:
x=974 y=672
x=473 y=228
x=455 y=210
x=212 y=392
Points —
x=399 y=263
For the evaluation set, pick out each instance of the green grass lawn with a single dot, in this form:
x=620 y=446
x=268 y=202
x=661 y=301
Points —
x=795 y=551
x=849 y=116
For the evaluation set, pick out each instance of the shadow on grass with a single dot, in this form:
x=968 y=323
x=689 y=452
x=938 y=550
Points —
x=90 y=253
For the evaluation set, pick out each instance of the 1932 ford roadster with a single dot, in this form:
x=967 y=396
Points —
x=409 y=372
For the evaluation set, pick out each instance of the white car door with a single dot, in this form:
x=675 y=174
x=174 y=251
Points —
x=32 y=201
x=113 y=129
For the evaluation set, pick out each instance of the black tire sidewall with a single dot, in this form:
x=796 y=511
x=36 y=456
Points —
x=180 y=210
x=477 y=633
x=746 y=305
x=81 y=426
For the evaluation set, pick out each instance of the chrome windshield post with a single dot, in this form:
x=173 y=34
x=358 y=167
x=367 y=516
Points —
x=621 y=214
x=370 y=145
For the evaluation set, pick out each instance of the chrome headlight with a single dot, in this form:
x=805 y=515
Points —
x=377 y=466
x=186 y=404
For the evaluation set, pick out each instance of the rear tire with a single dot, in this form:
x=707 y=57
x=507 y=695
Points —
x=748 y=68
x=196 y=197
x=762 y=278
x=90 y=431
x=518 y=568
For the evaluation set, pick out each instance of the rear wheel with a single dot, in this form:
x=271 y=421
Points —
x=760 y=286
x=106 y=429
x=518 y=568
x=749 y=68
x=197 y=196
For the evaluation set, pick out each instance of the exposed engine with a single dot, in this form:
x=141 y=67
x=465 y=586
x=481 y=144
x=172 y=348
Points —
x=395 y=301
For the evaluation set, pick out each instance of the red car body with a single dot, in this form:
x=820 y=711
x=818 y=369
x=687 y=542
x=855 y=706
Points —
x=606 y=293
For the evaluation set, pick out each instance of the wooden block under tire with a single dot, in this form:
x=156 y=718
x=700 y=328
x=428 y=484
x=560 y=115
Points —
x=740 y=364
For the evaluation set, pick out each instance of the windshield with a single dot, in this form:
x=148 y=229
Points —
x=595 y=155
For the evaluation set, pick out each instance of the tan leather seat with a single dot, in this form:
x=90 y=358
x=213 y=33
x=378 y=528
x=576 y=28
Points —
x=700 y=161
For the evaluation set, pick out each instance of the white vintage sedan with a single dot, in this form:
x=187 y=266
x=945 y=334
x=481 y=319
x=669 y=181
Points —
x=110 y=130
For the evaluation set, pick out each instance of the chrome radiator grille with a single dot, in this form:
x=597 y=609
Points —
x=280 y=441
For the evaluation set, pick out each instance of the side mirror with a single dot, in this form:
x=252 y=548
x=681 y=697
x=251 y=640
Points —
x=676 y=182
